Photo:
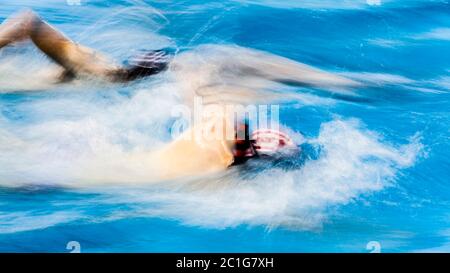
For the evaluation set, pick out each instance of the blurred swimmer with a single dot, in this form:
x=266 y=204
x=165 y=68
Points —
x=218 y=74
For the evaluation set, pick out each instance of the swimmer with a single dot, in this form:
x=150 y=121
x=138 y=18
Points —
x=219 y=74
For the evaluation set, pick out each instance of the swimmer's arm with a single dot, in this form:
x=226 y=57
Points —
x=196 y=152
x=72 y=57
x=184 y=158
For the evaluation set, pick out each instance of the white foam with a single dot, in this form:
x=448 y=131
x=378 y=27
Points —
x=353 y=162
x=25 y=221
x=434 y=34
x=56 y=149
x=378 y=78
x=387 y=43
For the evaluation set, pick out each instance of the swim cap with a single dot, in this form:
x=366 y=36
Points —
x=268 y=141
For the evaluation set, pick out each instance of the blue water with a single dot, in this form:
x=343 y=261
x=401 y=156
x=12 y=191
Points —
x=377 y=167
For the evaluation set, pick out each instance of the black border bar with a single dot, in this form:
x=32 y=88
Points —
x=219 y=262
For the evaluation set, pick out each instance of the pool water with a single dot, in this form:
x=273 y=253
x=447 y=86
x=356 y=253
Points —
x=375 y=165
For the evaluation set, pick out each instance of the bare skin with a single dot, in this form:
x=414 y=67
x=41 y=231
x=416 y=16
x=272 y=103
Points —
x=74 y=58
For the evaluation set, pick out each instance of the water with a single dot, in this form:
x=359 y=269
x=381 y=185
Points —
x=375 y=165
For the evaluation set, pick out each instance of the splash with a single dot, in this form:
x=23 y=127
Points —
x=352 y=162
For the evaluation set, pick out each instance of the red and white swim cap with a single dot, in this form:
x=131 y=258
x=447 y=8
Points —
x=268 y=141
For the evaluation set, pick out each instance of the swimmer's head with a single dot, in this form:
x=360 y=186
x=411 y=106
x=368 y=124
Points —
x=271 y=142
x=146 y=63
